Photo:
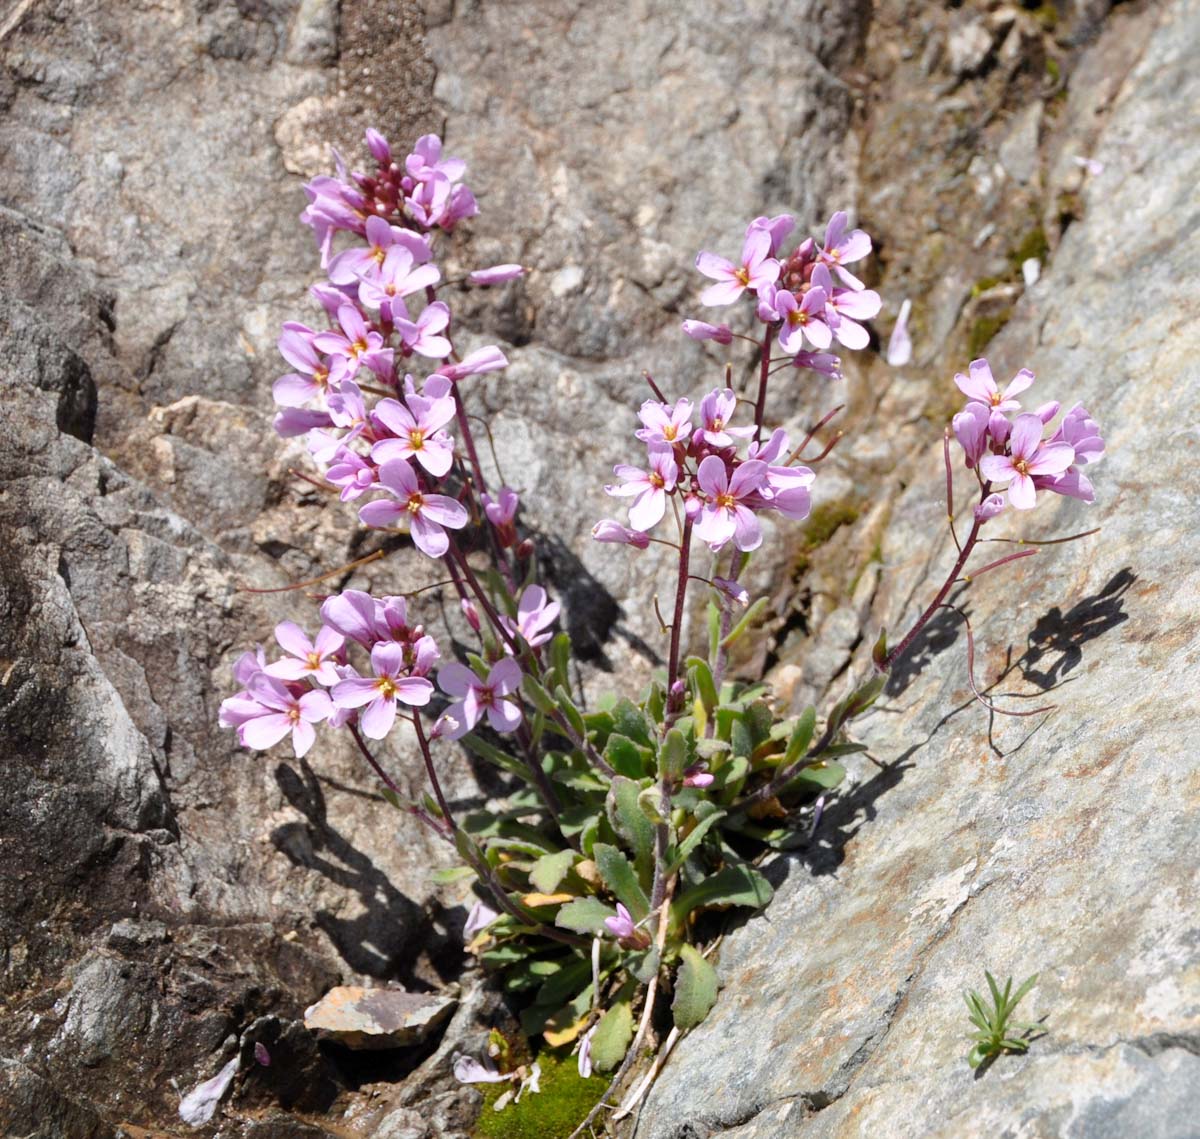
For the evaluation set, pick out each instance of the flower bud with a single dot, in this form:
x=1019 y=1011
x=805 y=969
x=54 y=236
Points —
x=606 y=530
x=470 y=613
x=496 y=275
x=699 y=330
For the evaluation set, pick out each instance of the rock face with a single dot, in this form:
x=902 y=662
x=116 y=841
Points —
x=1062 y=844
x=166 y=899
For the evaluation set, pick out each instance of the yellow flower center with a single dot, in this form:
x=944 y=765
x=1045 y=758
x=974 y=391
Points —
x=1021 y=466
x=314 y=660
x=743 y=275
x=726 y=501
x=387 y=687
x=414 y=504
x=416 y=439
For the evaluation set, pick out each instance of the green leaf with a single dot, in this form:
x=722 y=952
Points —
x=702 y=682
x=672 y=755
x=714 y=629
x=611 y=1039
x=802 y=735
x=390 y=796
x=880 y=649
x=451 y=874
x=549 y=870
x=821 y=774
x=573 y=715
x=537 y=695
x=634 y=829
x=692 y=841
x=709 y=748
x=740 y=736
x=643 y=965
x=650 y=802
x=621 y=878
x=565 y=982
x=733 y=886
x=584 y=915
x=560 y=656
x=626 y=757
x=695 y=989
x=748 y=618
x=629 y=720
x=656 y=702
x=494 y=755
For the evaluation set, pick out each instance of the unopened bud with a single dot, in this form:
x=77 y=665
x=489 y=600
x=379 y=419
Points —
x=470 y=613
x=525 y=550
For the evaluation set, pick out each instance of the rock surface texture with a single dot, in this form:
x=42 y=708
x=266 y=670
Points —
x=167 y=901
x=1062 y=845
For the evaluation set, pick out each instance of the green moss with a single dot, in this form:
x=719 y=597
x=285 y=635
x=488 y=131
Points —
x=1053 y=71
x=1046 y=15
x=1033 y=244
x=561 y=1105
x=984 y=329
x=984 y=283
x=823 y=523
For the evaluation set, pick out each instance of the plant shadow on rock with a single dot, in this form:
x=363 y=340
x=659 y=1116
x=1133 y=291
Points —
x=384 y=940
x=1054 y=632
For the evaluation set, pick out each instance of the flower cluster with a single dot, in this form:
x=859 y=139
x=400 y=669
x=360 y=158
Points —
x=796 y=295
x=722 y=491
x=1018 y=451
x=317 y=681
x=370 y=424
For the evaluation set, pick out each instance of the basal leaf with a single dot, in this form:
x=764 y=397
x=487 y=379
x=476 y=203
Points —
x=611 y=1039
x=696 y=988
x=621 y=878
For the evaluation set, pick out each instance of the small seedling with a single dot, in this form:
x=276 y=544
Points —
x=995 y=1034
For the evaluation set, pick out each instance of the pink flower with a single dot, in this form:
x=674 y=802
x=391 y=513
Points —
x=804 y=318
x=845 y=308
x=732 y=593
x=724 y=513
x=842 y=247
x=1028 y=457
x=979 y=387
x=350 y=471
x=971 y=430
x=757 y=269
x=421 y=336
x=496 y=275
x=354 y=345
x=416 y=426
x=699 y=330
x=824 y=363
x=426 y=161
x=697 y=776
x=489 y=359
x=500 y=512
x=777 y=228
x=281 y=708
x=476 y=697
x=608 y=530
x=380 y=693
x=649 y=488
x=664 y=424
x=535 y=615
x=625 y=931
x=400 y=275
x=382 y=239
x=716 y=410
x=1083 y=434
x=989 y=507
x=311 y=377
x=307 y=660
x=428 y=514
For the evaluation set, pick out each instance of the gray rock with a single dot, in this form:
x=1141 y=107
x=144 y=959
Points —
x=1063 y=845
x=969 y=47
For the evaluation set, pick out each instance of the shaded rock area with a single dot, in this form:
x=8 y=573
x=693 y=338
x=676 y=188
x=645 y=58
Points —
x=167 y=901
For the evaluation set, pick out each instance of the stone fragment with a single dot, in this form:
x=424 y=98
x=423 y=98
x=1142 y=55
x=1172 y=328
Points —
x=377 y=1018
x=968 y=48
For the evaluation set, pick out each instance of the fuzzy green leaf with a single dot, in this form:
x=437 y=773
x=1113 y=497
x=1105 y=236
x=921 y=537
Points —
x=626 y=757
x=549 y=870
x=611 y=1039
x=696 y=988
x=634 y=829
x=621 y=878
x=802 y=735
x=584 y=915
x=692 y=841
x=630 y=720
x=733 y=886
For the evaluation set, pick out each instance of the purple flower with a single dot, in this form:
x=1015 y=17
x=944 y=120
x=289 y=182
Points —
x=502 y=509
x=697 y=776
x=650 y=488
x=608 y=530
x=489 y=359
x=845 y=308
x=732 y=593
x=971 y=430
x=480 y=917
x=416 y=425
x=842 y=247
x=584 y=1062
x=428 y=514
x=311 y=377
x=979 y=387
x=1081 y=432
x=475 y=696
x=354 y=345
x=352 y=264
x=380 y=693
x=468 y=1070
x=355 y=615
x=400 y=275
x=351 y=472
x=724 y=513
x=824 y=363
x=421 y=336
x=625 y=931
x=332 y=206
x=899 y=349
x=804 y=318
x=496 y=275
x=989 y=507
x=307 y=660
x=777 y=228
x=282 y=708
x=757 y=269
x=378 y=146
x=699 y=330
x=426 y=161
x=293 y=421
x=1028 y=457
x=535 y=614
x=786 y=489
x=716 y=410
x=664 y=424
